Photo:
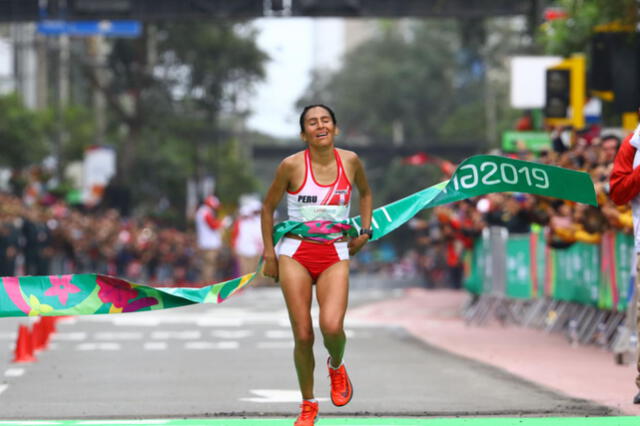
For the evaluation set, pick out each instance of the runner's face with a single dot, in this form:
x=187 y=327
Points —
x=319 y=128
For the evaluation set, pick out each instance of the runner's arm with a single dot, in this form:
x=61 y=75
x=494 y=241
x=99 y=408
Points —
x=273 y=197
x=625 y=180
x=366 y=202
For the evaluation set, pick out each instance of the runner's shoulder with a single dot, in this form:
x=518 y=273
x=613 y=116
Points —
x=292 y=162
x=348 y=156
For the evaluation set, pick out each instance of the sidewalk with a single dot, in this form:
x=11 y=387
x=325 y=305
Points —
x=586 y=372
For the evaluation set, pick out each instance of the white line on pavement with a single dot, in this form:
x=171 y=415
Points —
x=122 y=335
x=231 y=334
x=3 y=388
x=137 y=321
x=275 y=395
x=100 y=346
x=181 y=335
x=74 y=336
x=279 y=334
x=155 y=346
x=275 y=345
x=219 y=322
x=14 y=372
x=212 y=345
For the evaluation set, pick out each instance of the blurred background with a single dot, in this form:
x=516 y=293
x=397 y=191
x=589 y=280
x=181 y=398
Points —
x=119 y=118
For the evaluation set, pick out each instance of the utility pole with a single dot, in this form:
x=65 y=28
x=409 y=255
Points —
x=61 y=99
x=97 y=50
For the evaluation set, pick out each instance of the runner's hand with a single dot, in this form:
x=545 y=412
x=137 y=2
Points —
x=270 y=267
x=355 y=244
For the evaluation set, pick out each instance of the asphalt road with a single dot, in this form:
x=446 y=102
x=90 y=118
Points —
x=234 y=359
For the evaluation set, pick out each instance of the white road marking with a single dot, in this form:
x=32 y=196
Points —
x=14 y=372
x=279 y=334
x=275 y=395
x=275 y=345
x=231 y=334
x=136 y=321
x=99 y=346
x=118 y=335
x=73 y=336
x=219 y=322
x=181 y=335
x=3 y=388
x=230 y=344
x=155 y=346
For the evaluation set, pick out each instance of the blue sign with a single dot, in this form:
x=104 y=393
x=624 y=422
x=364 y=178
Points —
x=90 y=28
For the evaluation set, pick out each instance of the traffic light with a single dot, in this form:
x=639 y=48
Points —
x=616 y=53
x=566 y=93
x=558 y=86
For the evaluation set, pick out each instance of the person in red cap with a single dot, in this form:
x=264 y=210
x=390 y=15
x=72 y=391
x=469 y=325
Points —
x=317 y=183
x=209 y=233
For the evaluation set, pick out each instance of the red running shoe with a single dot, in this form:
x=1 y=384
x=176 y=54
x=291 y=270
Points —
x=341 y=389
x=308 y=415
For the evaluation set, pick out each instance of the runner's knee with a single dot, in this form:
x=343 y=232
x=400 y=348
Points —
x=331 y=328
x=303 y=336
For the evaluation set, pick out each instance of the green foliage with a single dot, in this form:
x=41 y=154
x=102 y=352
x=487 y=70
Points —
x=234 y=177
x=462 y=123
x=170 y=120
x=77 y=127
x=400 y=180
x=22 y=138
x=571 y=35
x=394 y=78
x=222 y=61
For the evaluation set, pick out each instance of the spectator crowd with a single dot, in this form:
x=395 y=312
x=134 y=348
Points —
x=48 y=237
x=443 y=239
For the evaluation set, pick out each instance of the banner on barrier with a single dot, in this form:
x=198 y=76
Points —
x=589 y=274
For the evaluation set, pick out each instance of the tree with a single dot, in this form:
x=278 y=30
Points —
x=397 y=81
x=211 y=69
x=22 y=137
x=172 y=94
x=571 y=35
x=78 y=128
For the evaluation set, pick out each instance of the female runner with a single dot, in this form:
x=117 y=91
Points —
x=318 y=183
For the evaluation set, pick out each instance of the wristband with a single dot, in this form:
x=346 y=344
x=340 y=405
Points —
x=367 y=231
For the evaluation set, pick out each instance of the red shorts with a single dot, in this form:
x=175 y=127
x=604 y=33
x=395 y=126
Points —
x=315 y=257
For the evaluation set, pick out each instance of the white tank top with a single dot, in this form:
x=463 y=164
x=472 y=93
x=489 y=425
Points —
x=317 y=202
x=208 y=239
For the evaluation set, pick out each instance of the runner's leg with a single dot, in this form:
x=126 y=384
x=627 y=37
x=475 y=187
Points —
x=333 y=293
x=295 y=283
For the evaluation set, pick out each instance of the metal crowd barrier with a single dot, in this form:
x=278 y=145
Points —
x=583 y=291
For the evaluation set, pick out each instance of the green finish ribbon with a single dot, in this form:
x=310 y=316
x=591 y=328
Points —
x=478 y=175
x=89 y=294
